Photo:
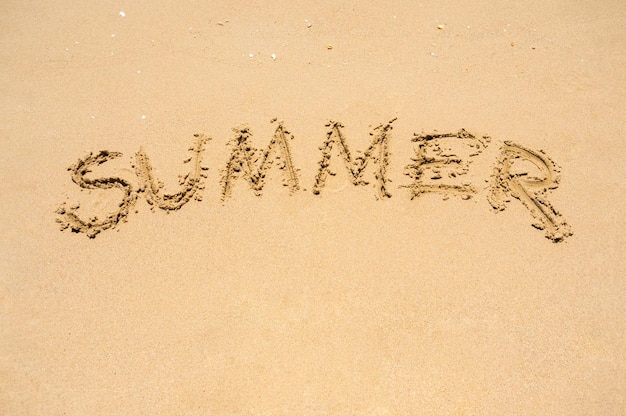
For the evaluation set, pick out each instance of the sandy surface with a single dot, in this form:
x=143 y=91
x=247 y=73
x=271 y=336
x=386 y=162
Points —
x=304 y=266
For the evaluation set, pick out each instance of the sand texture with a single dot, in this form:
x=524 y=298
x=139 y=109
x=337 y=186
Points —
x=313 y=208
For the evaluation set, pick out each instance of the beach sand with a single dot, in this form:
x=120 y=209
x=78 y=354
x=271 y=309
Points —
x=334 y=208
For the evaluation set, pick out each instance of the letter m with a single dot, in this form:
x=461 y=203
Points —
x=249 y=163
x=377 y=152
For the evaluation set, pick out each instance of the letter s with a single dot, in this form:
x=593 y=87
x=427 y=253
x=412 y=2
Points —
x=67 y=215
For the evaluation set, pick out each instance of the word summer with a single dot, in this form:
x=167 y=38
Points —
x=441 y=164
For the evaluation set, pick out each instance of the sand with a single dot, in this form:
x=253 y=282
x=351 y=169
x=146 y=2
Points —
x=335 y=208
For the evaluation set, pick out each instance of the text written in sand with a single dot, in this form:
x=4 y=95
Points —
x=440 y=164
